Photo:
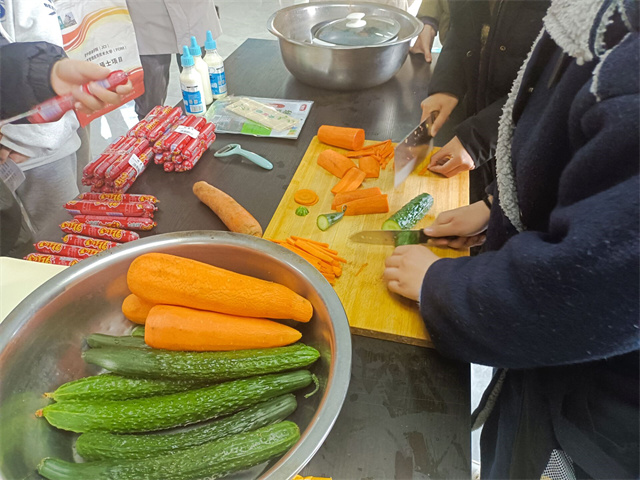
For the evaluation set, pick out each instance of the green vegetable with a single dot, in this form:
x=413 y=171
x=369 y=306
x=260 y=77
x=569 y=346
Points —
x=410 y=214
x=210 y=460
x=99 y=340
x=101 y=445
x=138 y=331
x=115 y=387
x=325 y=220
x=213 y=366
x=302 y=211
x=174 y=410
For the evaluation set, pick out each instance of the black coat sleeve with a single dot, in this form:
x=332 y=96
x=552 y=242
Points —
x=25 y=75
x=479 y=133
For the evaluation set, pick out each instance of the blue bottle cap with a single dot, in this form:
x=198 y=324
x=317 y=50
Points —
x=194 y=49
x=186 y=59
x=210 y=43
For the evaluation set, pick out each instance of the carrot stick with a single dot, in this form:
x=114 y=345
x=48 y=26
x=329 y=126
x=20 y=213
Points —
x=315 y=242
x=370 y=166
x=330 y=278
x=335 y=163
x=313 y=250
x=308 y=257
x=343 y=137
x=368 y=149
x=232 y=214
x=361 y=206
x=350 y=181
x=344 y=197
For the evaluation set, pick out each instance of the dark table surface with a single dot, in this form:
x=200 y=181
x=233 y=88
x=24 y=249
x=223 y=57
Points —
x=406 y=414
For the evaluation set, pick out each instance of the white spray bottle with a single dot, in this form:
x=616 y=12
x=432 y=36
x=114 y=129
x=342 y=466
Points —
x=191 y=85
x=202 y=68
x=216 y=67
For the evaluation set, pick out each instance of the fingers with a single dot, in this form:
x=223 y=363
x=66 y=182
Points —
x=125 y=89
x=85 y=102
x=4 y=154
x=106 y=96
x=439 y=122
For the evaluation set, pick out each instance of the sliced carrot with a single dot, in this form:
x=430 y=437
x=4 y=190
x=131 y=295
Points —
x=306 y=197
x=313 y=250
x=370 y=166
x=343 y=137
x=345 y=197
x=368 y=149
x=362 y=206
x=321 y=244
x=351 y=181
x=335 y=163
x=330 y=278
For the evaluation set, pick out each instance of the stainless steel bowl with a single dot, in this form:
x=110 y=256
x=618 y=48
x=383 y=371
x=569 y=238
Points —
x=339 y=67
x=41 y=342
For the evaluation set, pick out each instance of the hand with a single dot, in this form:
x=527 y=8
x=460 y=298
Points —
x=68 y=76
x=451 y=159
x=468 y=223
x=424 y=42
x=443 y=103
x=7 y=153
x=405 y=269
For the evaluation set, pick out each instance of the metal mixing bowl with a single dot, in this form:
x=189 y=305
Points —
x=339 y=67
x=42 y=339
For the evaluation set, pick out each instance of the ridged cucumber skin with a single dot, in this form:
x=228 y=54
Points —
x=211 y=366
x=115 y=387
x=100 y=340
x=174 y=410
x=211 y=460
x=101 y=445
x=410 y=214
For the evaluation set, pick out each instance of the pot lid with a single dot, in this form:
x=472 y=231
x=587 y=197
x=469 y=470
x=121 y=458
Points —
x=357 y=29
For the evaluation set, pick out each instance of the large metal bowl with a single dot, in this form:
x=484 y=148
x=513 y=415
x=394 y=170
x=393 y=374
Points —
x=338 y=67
x=41 y=342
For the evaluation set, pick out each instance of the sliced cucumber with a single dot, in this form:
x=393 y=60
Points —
x=325 y=220
x=410 y=214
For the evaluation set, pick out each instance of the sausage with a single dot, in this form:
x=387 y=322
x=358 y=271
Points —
x=51 y=259
x=106 y=233
x=88 y=242
x=116 y=209
x=64 y=249
x=128 y=223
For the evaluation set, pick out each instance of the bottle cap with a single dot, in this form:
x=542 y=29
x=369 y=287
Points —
x=186 y=59
x=210 y=43
x=194 y=49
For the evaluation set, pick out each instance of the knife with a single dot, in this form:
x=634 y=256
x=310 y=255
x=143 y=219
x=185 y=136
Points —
x=389 y=237
x=413 y=149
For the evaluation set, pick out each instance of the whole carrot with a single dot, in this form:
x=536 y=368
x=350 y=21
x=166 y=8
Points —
x=232 y=214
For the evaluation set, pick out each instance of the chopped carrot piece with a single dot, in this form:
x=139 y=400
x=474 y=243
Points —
x=306 y=197
x=362 y=206
x=350 y=181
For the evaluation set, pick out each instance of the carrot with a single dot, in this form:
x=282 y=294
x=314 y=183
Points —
x=361 y=206
x=335 y=163
x=345 y=197
x=180 y=328
x=306 y=197
x=369 y=149
x=343 y=137
x=313 y=250
x=351 y=181
x=232 y=214
x=169 y=279
x=370 y=166
x=317 y=254
x=320 y=244
x=136 y=309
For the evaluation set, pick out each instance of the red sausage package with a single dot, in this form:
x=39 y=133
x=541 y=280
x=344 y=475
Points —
x=118 y=197
x=113 y=209
x=88 y=242
x=64 y=249
x=52 y=259
x=128 y=223
x=105 y=233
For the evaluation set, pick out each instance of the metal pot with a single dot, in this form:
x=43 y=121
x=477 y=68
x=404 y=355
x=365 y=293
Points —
x=335 y=66
x=42 y=338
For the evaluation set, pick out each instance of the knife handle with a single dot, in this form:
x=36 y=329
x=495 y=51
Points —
x=424 y=238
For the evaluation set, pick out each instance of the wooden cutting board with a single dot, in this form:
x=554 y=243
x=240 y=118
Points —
x=371 y=309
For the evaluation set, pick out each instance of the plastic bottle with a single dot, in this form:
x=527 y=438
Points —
x=216 y=67
x=202 y=68
x=191 y=85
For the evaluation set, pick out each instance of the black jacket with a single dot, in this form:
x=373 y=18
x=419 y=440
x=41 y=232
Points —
x=483 y=77
x=25 y=73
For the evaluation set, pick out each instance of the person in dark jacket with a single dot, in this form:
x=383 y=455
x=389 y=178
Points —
x=553 y=303
x=32 y=72
x=485 y=47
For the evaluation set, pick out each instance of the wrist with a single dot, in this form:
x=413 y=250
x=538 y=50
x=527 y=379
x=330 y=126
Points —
x=488 y=201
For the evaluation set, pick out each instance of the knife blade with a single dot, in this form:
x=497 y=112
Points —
x=389 y=237
x=413 y=149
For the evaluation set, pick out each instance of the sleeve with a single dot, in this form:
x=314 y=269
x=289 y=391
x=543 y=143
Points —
x=26 y=68
x=565 y=295
x=430 y=13
x=479 y=133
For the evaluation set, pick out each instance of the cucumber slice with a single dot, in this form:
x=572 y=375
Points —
x=410 y=214
x=325 y=220
x=138 y=331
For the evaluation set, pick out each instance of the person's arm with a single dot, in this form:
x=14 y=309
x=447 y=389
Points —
x=429 y=14
x=546 y=294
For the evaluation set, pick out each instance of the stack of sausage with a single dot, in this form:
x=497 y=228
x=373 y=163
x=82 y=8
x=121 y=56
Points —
x=101 y=221
x=182 y=145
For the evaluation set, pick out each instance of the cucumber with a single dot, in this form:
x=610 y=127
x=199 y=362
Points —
x=101 y=445
x=138 y=331
x=211 y=460
x=410 y=214
x=115 y=387
x=212 y=366
x=99 y=340
x=174 y=410
x=325 y=220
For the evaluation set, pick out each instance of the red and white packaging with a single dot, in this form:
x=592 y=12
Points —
x=88 y=242
x=105 y=233
x=112 y=209
x=65 y=250
x=51 y=259
x=127 y=223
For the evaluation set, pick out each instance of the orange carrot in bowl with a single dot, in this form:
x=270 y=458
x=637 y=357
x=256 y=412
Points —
x=343 y=137
x=173 y=280
x=350 y=181
x=345 y=197
x=233 y=215
x=136 y=309
x=335 y=163
x=180 y=328
x=362 y=206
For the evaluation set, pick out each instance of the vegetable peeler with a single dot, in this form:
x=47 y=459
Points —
x=236 y=149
